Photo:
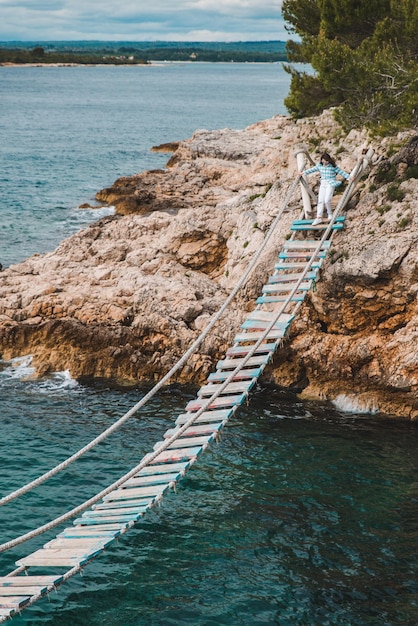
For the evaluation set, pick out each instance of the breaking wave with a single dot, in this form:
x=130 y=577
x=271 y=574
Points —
x=20 y=369
x=348 y=404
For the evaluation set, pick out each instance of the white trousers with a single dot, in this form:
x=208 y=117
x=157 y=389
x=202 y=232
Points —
x=326 y=191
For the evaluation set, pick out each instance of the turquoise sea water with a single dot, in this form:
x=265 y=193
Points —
x=68 y=132
x=303 y=514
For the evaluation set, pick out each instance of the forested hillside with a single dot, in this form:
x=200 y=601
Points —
x=85 y=52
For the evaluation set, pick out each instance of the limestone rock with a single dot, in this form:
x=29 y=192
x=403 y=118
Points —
x=125 y=298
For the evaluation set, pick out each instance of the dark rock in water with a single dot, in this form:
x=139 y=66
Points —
x=166 y=147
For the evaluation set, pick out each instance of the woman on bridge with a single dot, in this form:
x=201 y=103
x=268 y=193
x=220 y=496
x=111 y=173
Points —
x=328 y=170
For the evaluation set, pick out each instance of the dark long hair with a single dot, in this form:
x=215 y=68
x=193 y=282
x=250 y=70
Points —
x=328 y=158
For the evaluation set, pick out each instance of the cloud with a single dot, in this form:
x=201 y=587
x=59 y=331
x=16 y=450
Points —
x=136 y=20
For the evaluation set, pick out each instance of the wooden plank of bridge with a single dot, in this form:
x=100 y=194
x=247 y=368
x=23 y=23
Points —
x=268 y=316
x=122 y=505
x=126 y=520
x=308 y=224
x=286 y=287
x=261 y=325
x=263 y=348
x=275 y=298
x=133 y=511
x=263 y=319
x=111 y=528
x=177 y=455
x=115 y=514
x=321 y=226
x=195 y=405
x=25 y=586
x=243 y=374
x=153 y=470
x=78 y=542
x=340 y=218
x=205 y=417
x=272 y=334
x=21 y=591
x=83 y=531
x=211 y=388
x=188 y=441
x=142 y=481
x=14 y=602
x=296 y=266
x=285 y=278
x=304 y=225
x=305 y=244
x=121 y=493
x=52 y=557
x=195 y=430
x=225 y=364
x=30 y=581
x=302 y=254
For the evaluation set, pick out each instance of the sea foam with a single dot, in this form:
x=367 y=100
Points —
x=20 y=367
x=57 y=381
x=349 y=404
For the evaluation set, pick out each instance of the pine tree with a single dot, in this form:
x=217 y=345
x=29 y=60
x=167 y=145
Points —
x=364 y=55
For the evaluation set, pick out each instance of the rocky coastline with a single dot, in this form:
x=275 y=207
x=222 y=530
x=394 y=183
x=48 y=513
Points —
x=124 y=298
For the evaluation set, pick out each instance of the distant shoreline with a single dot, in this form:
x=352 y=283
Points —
x=139 y=53
x=10 y=64
x=156 y=63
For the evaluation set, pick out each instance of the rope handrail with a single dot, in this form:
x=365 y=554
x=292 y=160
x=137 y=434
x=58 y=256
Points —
x=356 y=173
x=64 y=464
x=147 y=459
x=150 y=456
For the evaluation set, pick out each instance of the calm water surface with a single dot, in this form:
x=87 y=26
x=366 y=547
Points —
x=300 y=515
x=303 y=514
x=68 y=132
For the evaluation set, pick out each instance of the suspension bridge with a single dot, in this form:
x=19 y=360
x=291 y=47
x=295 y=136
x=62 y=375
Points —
x=99 y=521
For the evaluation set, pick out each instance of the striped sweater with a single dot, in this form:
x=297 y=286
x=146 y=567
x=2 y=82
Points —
x=328 y=173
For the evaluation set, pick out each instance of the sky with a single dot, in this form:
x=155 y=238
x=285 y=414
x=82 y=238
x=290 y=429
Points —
x=141 y=20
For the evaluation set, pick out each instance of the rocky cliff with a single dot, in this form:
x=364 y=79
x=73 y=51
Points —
x=126 y=297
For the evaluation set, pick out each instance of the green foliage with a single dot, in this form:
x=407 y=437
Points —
x=383 y=209
x=117 y=53
x=365 y=57
x=351 y=21
x=307 y=95
x=386 y=175
x=40 y=55
x=395 y=193
x=403 y=223
x=411 y=172
x=303 y=16
x=261 y=195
